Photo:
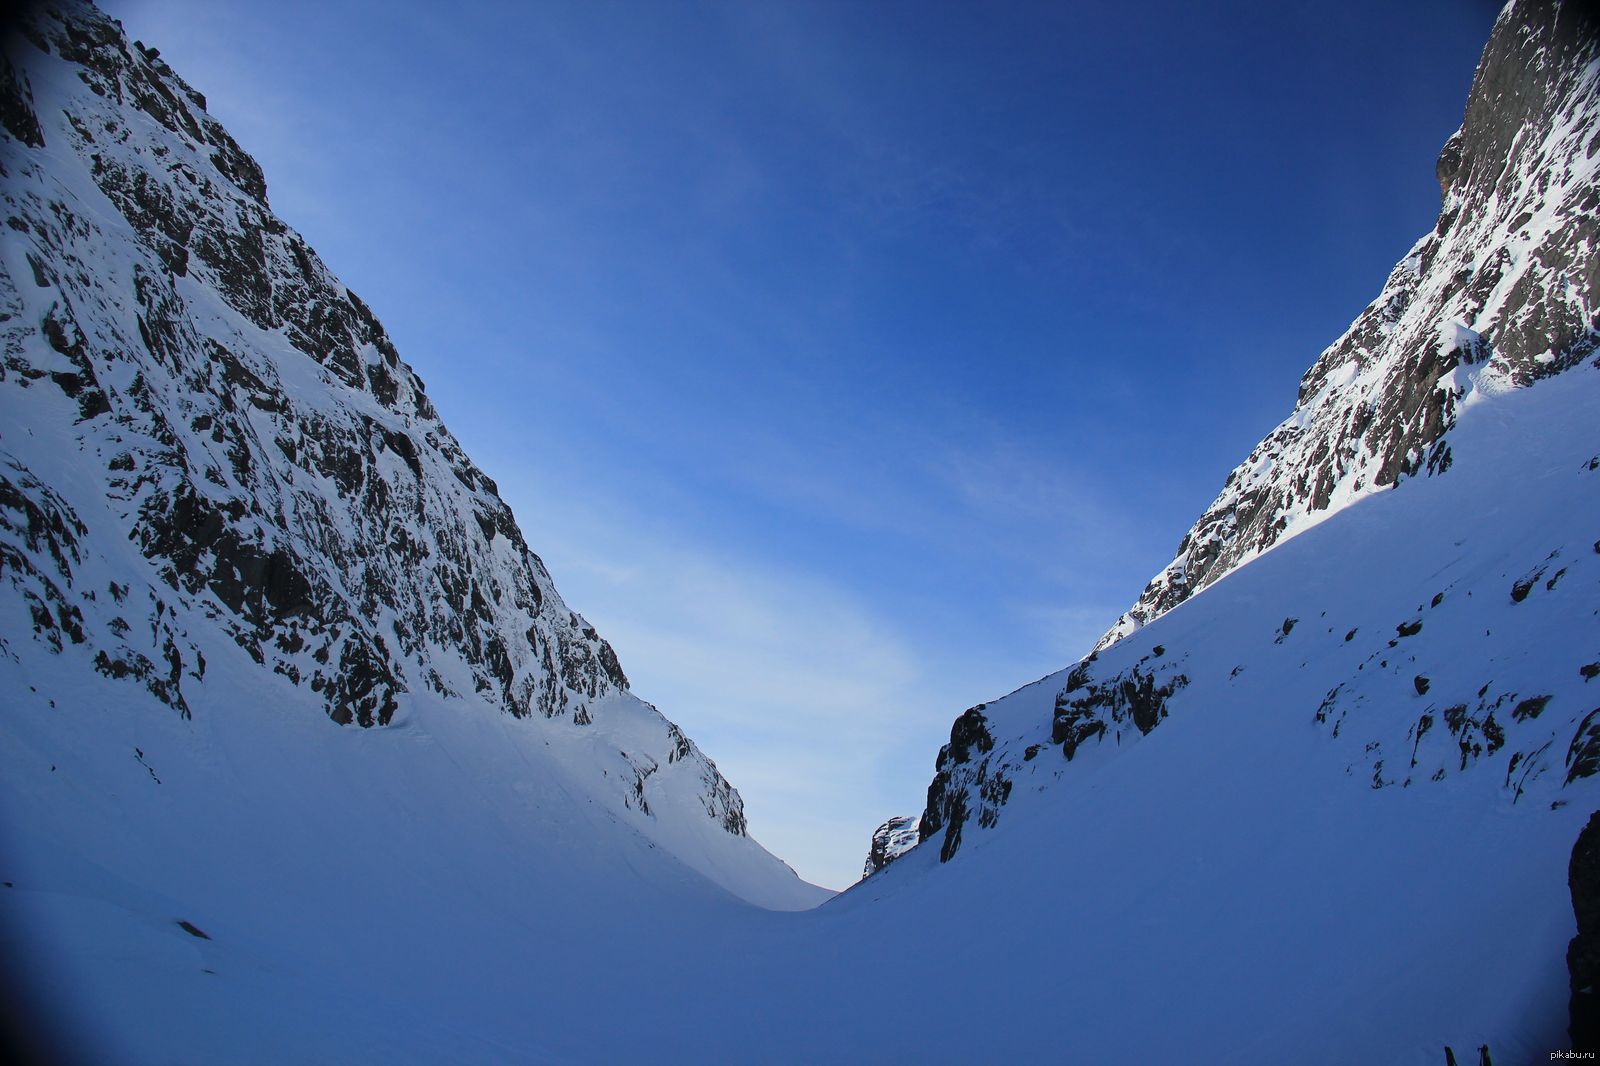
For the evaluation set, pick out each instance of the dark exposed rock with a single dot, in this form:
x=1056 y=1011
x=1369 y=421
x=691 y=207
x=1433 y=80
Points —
x=193 y=930
x=994 y=790
x=970 y=732
x=1421 y=683
x=890 y=840
x=39 y=548
x=1529 y=708
x=955 y=818
x=974 y=778
x=1583 y=754
x=1330 y=701
x=947 y=806
x=1074 y=724
x=1583 y=952
x=680 y=748
x=16 y=105
x=1134 y=697
x=1493 y=734
x=165 y=685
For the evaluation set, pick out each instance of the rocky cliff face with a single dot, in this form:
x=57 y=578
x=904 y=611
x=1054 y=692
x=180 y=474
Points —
x=1583 y=953
x=1504 y=289
x=1502 y=294
x=890 y=840
x=204 y=432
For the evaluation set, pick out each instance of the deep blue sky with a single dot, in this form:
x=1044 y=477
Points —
x=848 y=363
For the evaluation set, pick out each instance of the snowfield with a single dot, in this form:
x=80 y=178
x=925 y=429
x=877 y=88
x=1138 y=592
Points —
x=1315 y=804
x=1229 y=888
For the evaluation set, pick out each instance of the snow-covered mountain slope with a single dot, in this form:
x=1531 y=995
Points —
x=1230 y=888
x=1326 y=805
x=1319 y=812
x=221 y=489
x=1501 y=296
x=1323 y=657
x=1504 y=291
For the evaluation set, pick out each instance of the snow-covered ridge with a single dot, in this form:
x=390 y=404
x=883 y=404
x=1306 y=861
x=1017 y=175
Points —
x=1501 y=295
x=206 y=435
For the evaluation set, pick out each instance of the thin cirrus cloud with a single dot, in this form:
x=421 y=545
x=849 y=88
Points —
x=815 y=700
x=797 y=689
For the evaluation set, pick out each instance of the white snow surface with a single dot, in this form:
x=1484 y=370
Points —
x=1289 y=869
x=1230 y=888
x=207 y=397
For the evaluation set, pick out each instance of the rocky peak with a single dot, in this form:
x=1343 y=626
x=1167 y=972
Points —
x=205 y=432
x=1501 y=293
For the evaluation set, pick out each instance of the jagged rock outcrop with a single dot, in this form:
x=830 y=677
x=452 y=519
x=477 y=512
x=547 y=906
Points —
x=963 y=781
x=1086 y=708
x=205 y=431
x=890 y=840
x=1583 y=954
x=1503 y=291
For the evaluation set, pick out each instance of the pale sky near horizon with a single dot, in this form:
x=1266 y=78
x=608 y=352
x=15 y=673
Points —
x=847 y=363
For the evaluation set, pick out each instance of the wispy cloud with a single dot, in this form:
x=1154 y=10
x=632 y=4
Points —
x=802 y=693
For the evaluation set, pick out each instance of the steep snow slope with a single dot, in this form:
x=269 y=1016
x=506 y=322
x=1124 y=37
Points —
x=1432 y=647
x=1501 y=295
x=1310 y=853
x=221 y=488
x=1345 y=842
x=1231 y=887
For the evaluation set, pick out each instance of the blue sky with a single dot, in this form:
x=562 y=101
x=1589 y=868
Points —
x=848 y=363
